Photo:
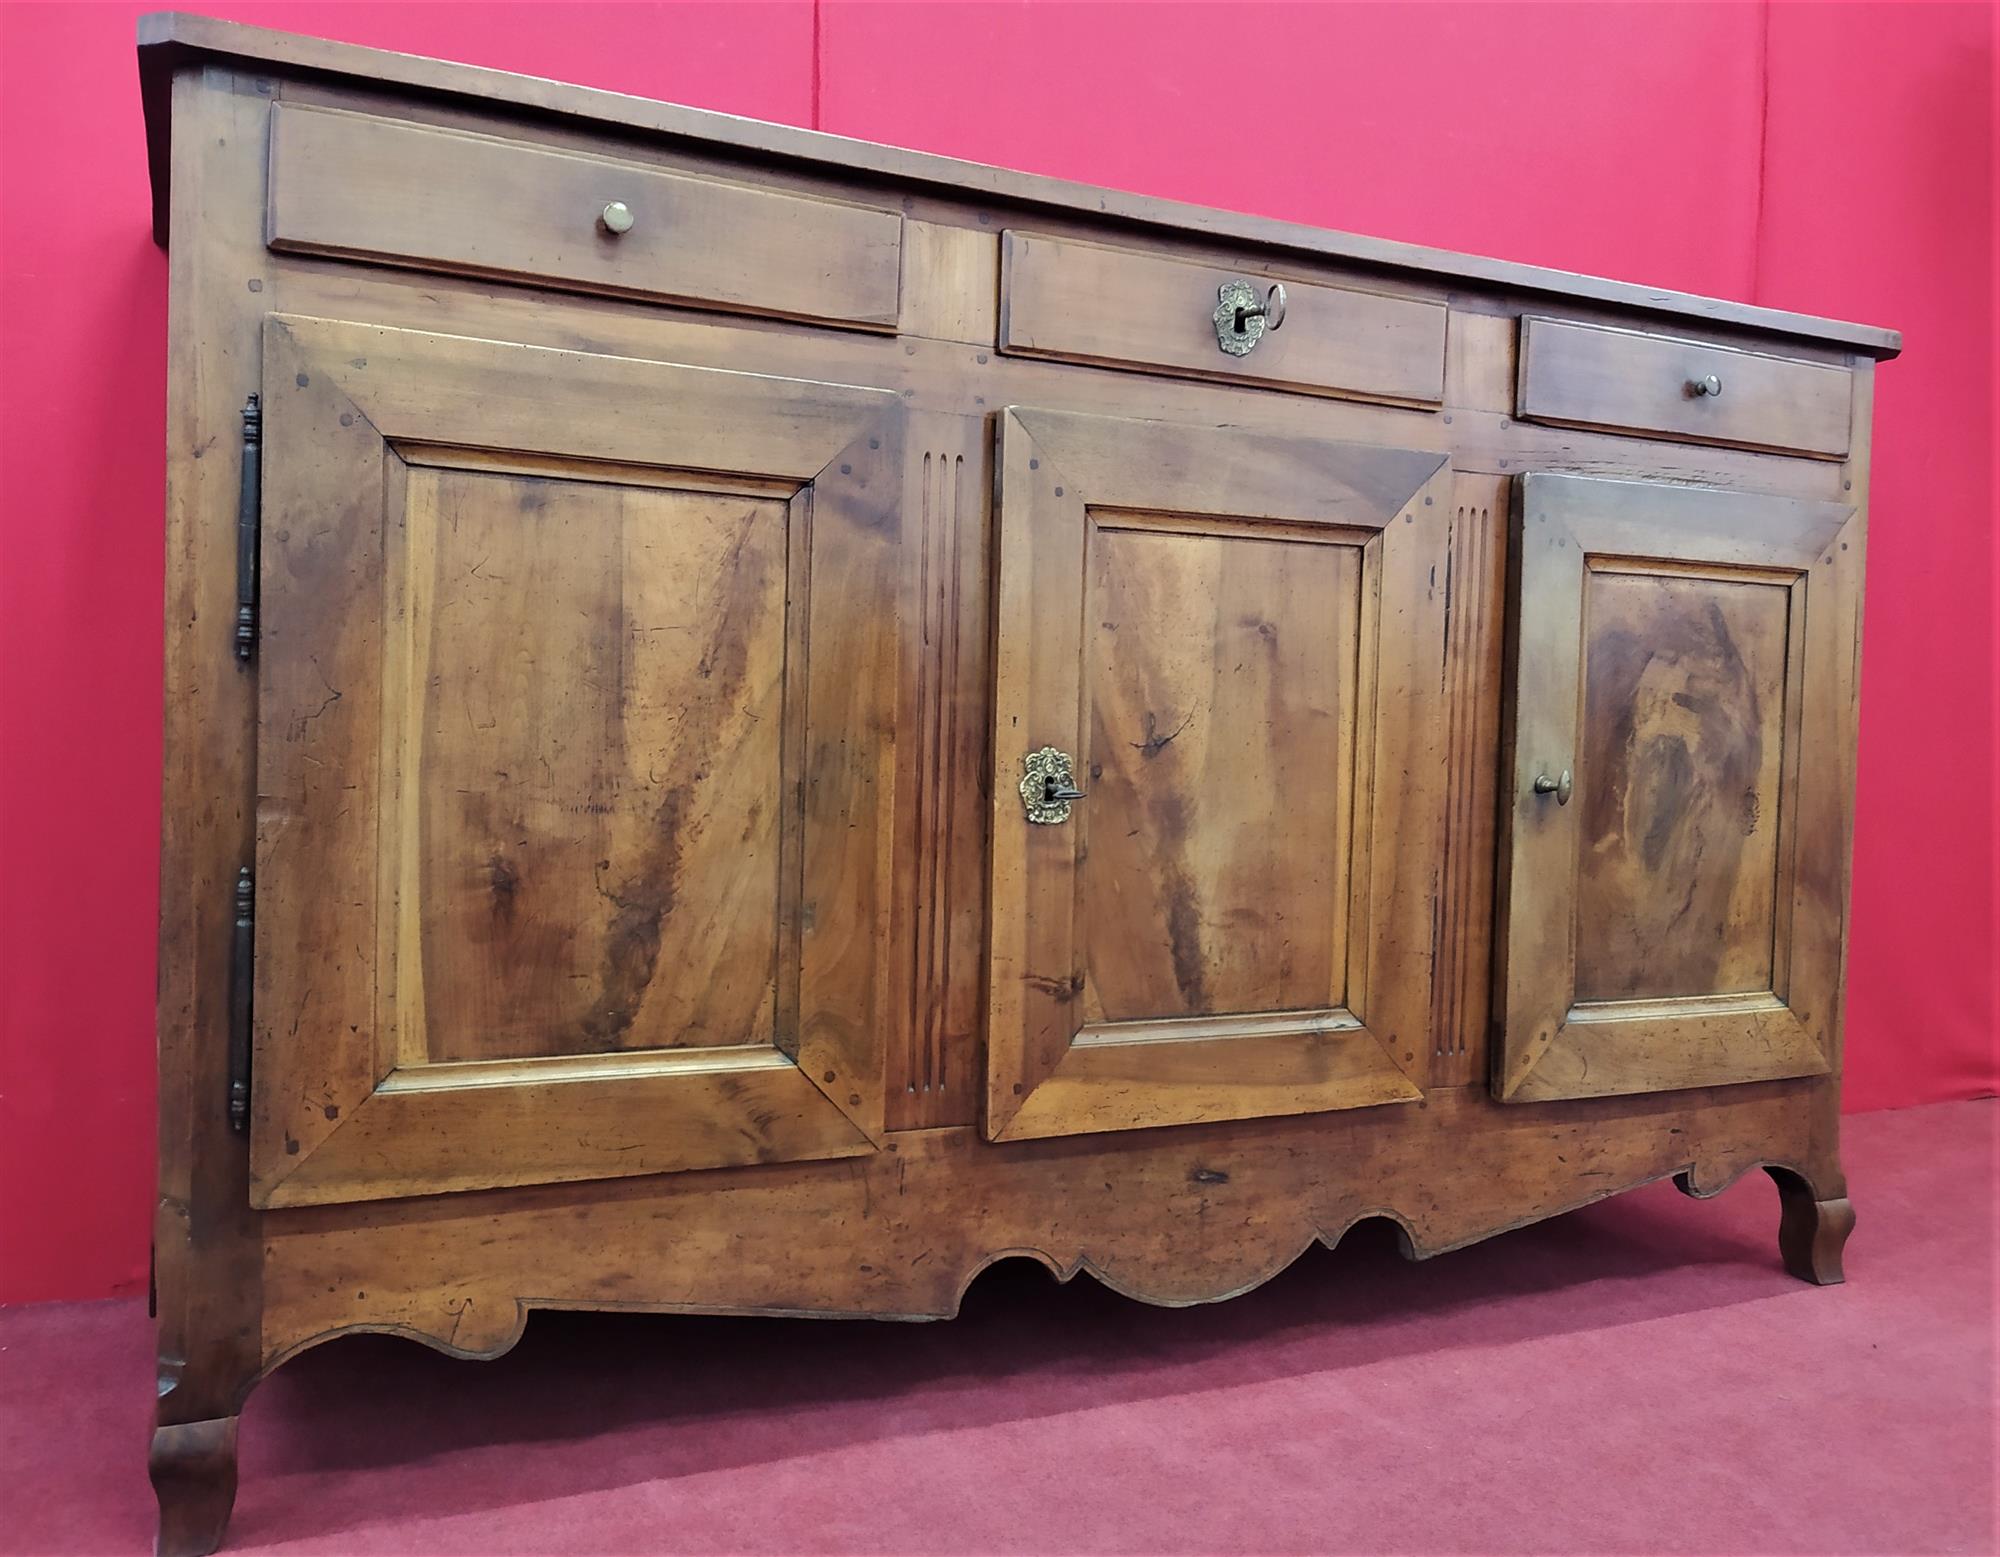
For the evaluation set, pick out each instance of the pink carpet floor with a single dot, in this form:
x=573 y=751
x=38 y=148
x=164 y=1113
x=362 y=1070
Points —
x=1637 y=1377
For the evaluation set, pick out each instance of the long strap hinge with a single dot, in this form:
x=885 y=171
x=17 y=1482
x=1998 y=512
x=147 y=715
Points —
x=249 y=502
x=241 y=952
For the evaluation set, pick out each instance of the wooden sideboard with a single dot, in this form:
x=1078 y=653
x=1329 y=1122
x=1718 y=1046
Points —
x=756 y=722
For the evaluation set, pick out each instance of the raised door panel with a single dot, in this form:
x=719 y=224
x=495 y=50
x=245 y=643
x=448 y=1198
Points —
x=1682 y=676
x=596 y=785
x=576 y=692
x=1235 y=644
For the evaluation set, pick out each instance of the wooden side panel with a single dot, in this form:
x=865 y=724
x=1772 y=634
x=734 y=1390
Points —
x=207 y=1242
x=411 y=194
x=1084 y=302
x=1593 y=376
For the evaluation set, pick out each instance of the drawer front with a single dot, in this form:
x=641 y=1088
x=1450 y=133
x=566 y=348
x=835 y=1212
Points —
x=1083 y=302
x=1585 y=375
x=408 y=194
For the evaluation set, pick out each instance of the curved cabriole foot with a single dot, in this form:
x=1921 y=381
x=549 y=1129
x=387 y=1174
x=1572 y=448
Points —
x=193 y=1465
x=1811 y=1232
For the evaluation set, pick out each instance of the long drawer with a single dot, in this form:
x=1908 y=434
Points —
x=1087 y=302
x=1586 y=375
x=410 y=194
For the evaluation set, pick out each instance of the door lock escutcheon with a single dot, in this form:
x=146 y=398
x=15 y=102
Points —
x=1242 y=315
x=1048 y=785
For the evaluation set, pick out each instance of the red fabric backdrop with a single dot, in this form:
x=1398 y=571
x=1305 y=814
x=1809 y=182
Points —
x=1833 y=159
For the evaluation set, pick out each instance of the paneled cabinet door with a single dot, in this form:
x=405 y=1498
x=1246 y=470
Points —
x=1682 y=702
x=574 y=740
x=1231 y=644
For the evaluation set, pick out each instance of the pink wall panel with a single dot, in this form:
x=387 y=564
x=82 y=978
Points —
x=1616 y=139
x=1634 y=140
x=1882 y=129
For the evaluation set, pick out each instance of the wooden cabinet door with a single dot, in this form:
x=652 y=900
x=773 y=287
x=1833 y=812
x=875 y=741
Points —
x=1236 y=640
x=575 y=704
x=1683 y=678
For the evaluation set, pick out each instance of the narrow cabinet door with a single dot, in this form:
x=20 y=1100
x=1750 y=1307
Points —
x=1216 y=800
x=575 y=704
x=1682 y=700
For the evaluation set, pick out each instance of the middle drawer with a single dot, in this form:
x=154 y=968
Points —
x=1085 y=302
x=397 y=193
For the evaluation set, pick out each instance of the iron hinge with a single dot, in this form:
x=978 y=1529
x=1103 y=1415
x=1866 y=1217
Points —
x=241 y=948
x=249 y=502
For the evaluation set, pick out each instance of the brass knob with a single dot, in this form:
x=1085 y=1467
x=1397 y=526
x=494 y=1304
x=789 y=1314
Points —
x=616 y=218
x=1707 y=384
x=1559 y=787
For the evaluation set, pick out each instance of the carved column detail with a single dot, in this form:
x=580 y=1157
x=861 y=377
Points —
x=939 y=891
x=1474 y=583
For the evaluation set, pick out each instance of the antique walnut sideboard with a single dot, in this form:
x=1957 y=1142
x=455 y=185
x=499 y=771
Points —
x=756 y=722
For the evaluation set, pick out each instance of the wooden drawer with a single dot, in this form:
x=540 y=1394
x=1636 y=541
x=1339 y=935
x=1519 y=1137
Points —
x=1083 y=302
x=1585 y=375
x=410 y=194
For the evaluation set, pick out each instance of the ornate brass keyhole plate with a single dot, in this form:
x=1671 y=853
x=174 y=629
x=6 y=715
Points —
x=1237 y=329
x=1048 y=785
x=1243 y=314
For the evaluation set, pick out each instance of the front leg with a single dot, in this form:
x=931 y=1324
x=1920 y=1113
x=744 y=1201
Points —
x=193 y=1466
x=1811 y=1232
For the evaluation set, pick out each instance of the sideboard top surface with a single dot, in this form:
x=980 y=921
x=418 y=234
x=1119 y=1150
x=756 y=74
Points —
x=170 y=40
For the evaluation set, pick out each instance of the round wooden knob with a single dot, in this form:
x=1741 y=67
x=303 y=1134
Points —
x=617 y=218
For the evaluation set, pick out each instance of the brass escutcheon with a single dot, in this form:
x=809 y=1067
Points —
x=1048 y=785
x=1242 y=316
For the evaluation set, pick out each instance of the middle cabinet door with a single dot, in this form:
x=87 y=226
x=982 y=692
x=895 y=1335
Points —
x=1232 y=645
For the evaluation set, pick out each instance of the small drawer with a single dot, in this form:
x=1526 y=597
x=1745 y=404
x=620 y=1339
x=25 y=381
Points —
x=1585 y=375
x=409 y=194
x=1083 y=302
